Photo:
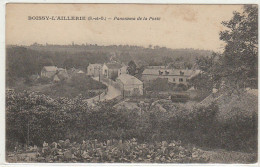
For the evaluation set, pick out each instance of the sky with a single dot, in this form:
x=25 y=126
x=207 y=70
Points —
x=180 y=26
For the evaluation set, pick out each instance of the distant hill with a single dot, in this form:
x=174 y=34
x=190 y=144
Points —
x=125 y=53
x=23 y=61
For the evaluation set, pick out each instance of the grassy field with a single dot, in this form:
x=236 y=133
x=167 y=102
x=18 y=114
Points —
x=72 y=87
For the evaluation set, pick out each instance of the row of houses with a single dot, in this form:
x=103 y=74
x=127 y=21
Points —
x=108 y=70
x=57 y=74
x=129 y=84
x=118 y=72
x=150 y=73
x=175 y=76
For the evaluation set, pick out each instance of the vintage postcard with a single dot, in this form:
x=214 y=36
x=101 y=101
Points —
x=131 y=83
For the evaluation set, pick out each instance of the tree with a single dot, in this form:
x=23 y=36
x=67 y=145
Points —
x=239 y=59
x=131 y=68
x=166 y=60
x=236 y=67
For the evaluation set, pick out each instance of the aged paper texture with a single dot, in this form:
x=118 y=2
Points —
x=131 y=83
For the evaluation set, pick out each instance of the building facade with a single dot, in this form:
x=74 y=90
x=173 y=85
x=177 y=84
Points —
x=94 y=70
x=175 y=76
x=110 y=70
x=49 y=71
x=122 y=70
x=130 y=85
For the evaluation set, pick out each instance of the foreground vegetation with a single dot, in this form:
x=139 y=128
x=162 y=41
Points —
x=117 y=151
x=32 y=119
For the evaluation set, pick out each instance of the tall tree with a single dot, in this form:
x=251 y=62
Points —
x=131 y=67
x=239 y=59
x=236 y=67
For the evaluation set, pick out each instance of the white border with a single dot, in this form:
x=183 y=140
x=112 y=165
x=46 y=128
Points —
x=2 y=76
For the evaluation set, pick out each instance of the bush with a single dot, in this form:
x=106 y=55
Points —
x=45 y=119
x=120 y=151
x=83 y=82
x=159 y=84
x=181 y=87
x=44 y=80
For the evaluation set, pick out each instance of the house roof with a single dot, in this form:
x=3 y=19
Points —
x=50 y=68
x=175 y=72
x=80 y=72
x=56 y=78
x=61 y=69
x=113 y=65
x=156 y=67
x=95 y=65
x=127 y=79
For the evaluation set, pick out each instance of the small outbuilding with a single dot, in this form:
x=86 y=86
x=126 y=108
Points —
x=130 y=85
x=49 y=71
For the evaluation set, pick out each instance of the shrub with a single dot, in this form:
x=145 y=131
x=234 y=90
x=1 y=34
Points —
x=181 y=87
x=45 y=119
x=44 y=80
x=120 y=151
x=159 y=84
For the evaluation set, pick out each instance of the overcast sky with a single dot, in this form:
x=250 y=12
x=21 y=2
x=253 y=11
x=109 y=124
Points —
x=180 y=26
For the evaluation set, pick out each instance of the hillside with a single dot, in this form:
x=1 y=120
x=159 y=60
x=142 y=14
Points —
x=125 y=53
x=24 y=61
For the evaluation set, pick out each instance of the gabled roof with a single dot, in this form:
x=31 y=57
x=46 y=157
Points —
x=50 y=68
x=113 y=65
x=95 y=65
x=80 y=72
x=61 y=69
x=127 y=79
x=56 y=78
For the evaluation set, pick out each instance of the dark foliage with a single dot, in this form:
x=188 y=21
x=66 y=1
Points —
x=237 y=66
x=33 y=118
x=131 y=68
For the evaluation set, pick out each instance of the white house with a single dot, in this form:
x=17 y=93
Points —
x=176 y=76
x=94 y=70
x=49 y=71
x=122 y=70
x=130 y=85
x=110 y=70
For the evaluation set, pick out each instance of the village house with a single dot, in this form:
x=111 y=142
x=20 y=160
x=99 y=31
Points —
x=54 y=73
x=175 y=76
x=156 y=67
x=110 y=70
x=49 y=71
x=122 y=70
x=130 y=85
x=94 y=70
x=62 y=74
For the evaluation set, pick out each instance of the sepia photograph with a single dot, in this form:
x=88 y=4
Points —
x=131 y=83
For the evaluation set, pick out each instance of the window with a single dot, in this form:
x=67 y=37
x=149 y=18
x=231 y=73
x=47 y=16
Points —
x=173 y=79
x=160 y=72
x=180 y=79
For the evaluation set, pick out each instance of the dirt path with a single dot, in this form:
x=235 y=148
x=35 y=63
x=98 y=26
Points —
x=112 y=92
